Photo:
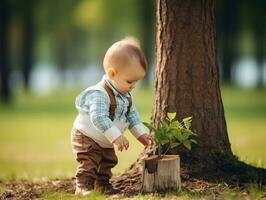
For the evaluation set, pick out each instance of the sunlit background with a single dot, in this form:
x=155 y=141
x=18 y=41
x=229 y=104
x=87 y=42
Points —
x=51 y=50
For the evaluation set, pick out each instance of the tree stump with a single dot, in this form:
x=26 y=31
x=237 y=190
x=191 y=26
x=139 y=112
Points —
x=161 y=174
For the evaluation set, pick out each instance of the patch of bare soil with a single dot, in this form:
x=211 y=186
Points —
x=24 y=189
x=130 y=184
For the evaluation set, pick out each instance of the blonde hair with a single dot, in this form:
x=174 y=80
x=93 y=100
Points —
x=124 y=51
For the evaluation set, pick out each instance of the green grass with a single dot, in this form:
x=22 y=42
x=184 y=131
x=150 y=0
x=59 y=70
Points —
x=63 y=196
x=252 y=192
x=35 y=136
x=245 y=113
x=35 y=132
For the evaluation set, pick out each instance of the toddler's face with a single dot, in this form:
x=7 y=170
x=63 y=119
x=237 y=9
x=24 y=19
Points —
x=125 y=80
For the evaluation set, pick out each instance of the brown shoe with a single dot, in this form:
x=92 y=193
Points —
x=90 y=184
x=105 y=187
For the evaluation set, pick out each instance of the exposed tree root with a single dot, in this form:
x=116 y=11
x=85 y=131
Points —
x=227 y=170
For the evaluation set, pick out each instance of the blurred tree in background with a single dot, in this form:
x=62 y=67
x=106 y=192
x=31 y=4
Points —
x=4 y=65
x=241 y=33
x=73 y=35
x=257 y=24
x=227 y=27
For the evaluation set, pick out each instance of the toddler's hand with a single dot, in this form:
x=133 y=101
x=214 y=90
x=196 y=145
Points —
x=146 y=139
x=121 y=143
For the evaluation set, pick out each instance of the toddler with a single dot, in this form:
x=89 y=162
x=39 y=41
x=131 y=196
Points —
x=105 y=111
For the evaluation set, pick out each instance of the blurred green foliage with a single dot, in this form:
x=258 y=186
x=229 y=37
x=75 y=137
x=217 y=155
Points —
x=81 y=30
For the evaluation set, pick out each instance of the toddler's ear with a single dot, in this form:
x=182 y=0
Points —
x=111 y=72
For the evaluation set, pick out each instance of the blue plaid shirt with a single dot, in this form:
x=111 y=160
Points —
x=96 y=104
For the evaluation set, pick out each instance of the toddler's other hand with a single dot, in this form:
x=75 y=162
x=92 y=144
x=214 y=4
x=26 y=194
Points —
x=121 y=143
x=146 y=139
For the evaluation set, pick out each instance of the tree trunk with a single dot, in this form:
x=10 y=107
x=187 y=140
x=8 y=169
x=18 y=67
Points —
x=186 y=74
x=147 y=11
x=4 y=64
x=227 y=27
x=28 y=41
x=187 y=82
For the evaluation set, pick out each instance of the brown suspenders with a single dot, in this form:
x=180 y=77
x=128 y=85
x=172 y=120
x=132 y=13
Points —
x=113 y=101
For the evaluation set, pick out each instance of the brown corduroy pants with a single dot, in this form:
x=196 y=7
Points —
x=94 y=161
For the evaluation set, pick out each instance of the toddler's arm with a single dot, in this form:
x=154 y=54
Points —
x=96 y=105
x=146 y=139
x=121 y=143
x=135 y=125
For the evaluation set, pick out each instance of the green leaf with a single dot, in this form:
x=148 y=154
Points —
x=163 y=142
x=149 y=126
x=164 y=128
x=187 y=144
x=177 y=134
x=173 y=145
x=188 y=118
x=172 y=133
x=187 y=122
x=158 y=134
x=164 y=125
x=193 y=141
x=174 y=124
x=186 y=133
x=171 y=115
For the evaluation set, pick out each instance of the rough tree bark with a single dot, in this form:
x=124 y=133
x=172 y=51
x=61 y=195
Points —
x=187 y=82
x=187 y=75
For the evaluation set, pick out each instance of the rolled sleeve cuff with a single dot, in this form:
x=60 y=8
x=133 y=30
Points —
x=138 y=130
x=112 y=133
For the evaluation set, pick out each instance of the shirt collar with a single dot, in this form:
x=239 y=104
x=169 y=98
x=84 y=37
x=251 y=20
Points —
x=116 y=93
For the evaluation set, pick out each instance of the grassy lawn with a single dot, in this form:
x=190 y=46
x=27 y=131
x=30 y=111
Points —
x=34 y=136
x=245 y=113
x=34 y=132
x=254 y=194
